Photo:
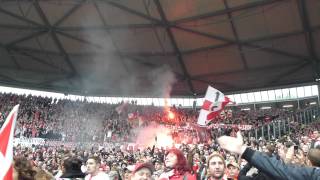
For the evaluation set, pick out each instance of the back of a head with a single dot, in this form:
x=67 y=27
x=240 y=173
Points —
x=23 y=168
x=314 y=157
x=72 y=168
x=43 y=175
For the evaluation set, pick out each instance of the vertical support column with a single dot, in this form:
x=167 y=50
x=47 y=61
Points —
x=256 y=133
x=318 y=105
x=274 y=130
x=269 y=138
x=309 y=116
x=289 y=125
x=284 y=126
x=279 y=126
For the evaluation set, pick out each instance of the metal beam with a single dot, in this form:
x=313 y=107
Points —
x=39 y=87
x=153 y=27
x=309 y=37
x=107 y=27
x=230 y=42
x=29 y=36
x=79 y=39
x=271 y=37
x=21 y=27
x=39 y=60
x=13 y=58
x=214 y=83
x=287 y=73
x=32 y=50
x=251 y=70
x=175 y=46
x=226 y=11
x=66 y=15
x=273 y=86
x=137 y=13
x=112 y=41
x=55 y=38
x=149 y=54
x=8 y=78
x=235 y=33
x=50 y=81
x=90 y=54
x=24 y=70
x=185 y=52
x=21 y=18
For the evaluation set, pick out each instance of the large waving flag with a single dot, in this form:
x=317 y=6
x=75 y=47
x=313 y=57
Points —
x=213 y=104
x=6 y=145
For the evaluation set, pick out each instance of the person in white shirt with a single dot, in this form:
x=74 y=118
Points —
x=93 y=165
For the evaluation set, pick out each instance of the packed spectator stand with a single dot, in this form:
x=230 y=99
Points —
x=79 y=129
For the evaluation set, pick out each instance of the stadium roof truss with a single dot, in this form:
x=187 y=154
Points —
x=123 y=47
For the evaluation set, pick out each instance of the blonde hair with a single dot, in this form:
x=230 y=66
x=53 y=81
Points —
x=43 y=175
x=214 y=154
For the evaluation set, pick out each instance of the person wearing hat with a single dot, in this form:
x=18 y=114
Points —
x=71 y=169
x=126 y=174
x=233 y=170
x=158 y=169
x=142 y=171
x=93 y=165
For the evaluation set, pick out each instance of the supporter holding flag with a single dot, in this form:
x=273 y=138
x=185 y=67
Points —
x=214 y=103
x=6 y=145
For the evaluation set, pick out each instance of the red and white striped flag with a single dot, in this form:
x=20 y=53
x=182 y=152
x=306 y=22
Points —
x=6 y=145
x=213 y=104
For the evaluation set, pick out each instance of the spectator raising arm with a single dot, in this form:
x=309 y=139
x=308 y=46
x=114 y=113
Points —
x=269 y=165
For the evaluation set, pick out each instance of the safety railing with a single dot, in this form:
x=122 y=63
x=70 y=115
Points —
x=281 y=127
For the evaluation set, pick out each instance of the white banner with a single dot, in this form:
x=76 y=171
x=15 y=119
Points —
x=28 y=142
x=224 y=126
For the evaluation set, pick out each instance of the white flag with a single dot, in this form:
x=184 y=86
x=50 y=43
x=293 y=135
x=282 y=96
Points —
x=6 y=145
x=213 y=104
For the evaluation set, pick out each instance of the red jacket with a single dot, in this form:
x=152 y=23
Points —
x=178 y=176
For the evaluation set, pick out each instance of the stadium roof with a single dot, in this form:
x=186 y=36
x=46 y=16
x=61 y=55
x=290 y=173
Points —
x=125 y=47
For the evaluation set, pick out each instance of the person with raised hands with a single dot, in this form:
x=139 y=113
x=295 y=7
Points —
x=269 y=165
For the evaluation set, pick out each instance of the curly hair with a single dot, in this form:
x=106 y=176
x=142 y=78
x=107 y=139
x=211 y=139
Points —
x=182 y=165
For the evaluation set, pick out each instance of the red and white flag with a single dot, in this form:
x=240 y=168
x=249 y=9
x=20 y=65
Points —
x=213 y=104
x=6 y=145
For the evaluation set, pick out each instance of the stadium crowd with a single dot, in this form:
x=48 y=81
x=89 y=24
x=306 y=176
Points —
x=119 y=163
x=66 y=120
x=69 y=120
